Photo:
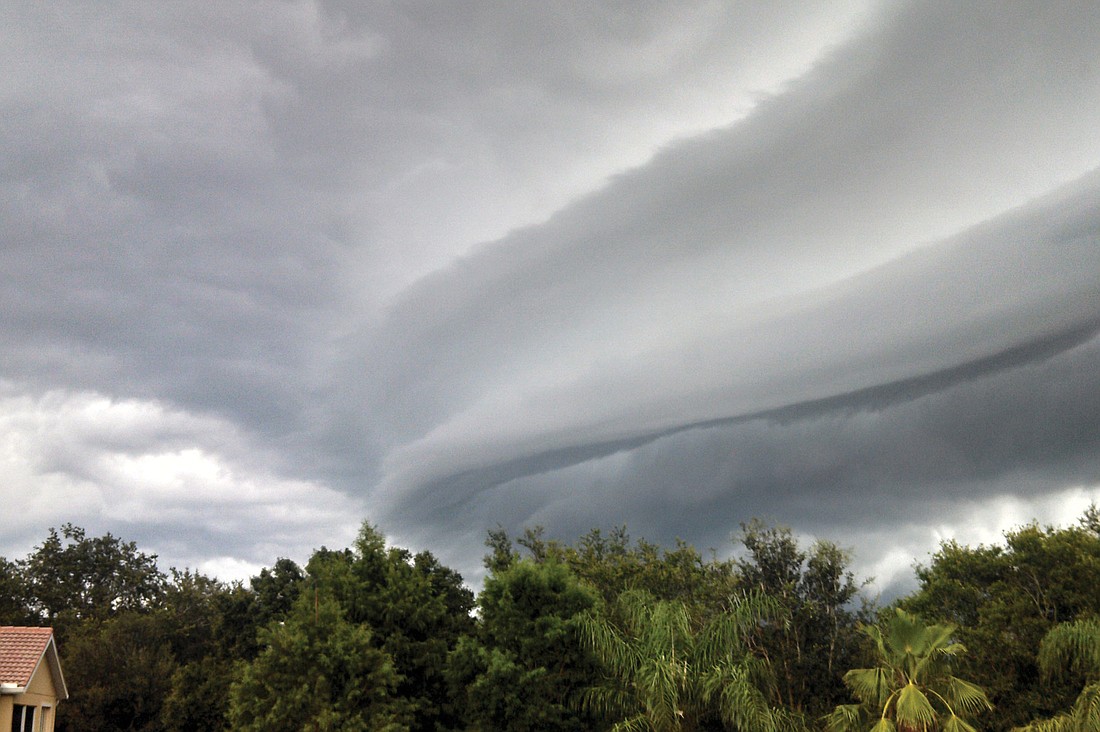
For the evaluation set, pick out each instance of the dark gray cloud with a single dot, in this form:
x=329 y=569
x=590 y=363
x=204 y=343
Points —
x=1022 y=420
x=269 y=269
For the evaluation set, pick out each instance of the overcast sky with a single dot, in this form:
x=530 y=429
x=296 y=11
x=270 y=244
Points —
x=268 y=269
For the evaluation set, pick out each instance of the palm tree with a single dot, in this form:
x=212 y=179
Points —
x=667 y=672
x=1075 y=647
x=912 y=689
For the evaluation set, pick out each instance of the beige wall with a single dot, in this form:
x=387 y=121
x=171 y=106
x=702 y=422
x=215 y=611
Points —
x=43 y=715
x=40 y=693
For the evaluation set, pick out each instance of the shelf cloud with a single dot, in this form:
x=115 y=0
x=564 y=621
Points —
x=269 y=271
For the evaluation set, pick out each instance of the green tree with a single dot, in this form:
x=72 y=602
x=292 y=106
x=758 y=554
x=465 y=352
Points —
x=667 y=670
x=912 y=688
x=192 y=610
x=72 y=577
x=13 y=593
x=1005 y=599
x=1073 y=647
x=275 y=590
x=819 y=635
x=317 y=671
x=243 y=610
x=118 y=671
x=417 y=608
x=196 y=699
x=104 y=599
x=613 y=562
x=523 y=668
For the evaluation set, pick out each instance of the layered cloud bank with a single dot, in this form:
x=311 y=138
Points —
x=833 y=265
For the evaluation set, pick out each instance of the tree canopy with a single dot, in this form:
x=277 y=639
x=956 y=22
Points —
x=604 y=633
x=912 y=687
x=1004 y=600
x=1073 y=648
x=669 y=671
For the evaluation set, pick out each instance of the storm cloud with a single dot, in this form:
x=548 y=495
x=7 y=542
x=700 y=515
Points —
x=273 y=268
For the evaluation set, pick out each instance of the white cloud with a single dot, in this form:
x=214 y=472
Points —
x=889 y=556
x=180 y=484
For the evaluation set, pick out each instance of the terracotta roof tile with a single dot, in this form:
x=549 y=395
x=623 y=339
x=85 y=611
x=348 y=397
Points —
x=20 y=651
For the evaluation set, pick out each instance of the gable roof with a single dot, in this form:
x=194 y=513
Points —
x=22 y=651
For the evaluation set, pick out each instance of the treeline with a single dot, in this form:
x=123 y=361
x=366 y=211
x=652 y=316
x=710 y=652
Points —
x=606 y=633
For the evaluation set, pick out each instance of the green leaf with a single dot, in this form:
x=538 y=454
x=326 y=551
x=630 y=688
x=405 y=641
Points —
x=845 y=718
x=678 y=677
x=956 y=724
x=870 y=685
x=1087 y=707
x=965 y=696
x=634 y=724
x=1072 y=646
x=913 y=708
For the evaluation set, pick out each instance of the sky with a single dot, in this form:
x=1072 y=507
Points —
x=271 y=269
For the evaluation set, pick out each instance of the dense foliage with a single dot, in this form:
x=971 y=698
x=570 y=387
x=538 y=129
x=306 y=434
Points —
x=1067 y=649
x=912 y=686
x=1004 y=600
x=606 y=633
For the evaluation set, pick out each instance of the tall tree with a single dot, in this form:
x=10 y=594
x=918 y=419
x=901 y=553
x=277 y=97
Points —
x=119 y=671
x=1005 y=598
x=243 y=610
x=667 y=671
x=416 y=607
x=912 y=689
x=72 y=577
x=819 y=635
x=318 y=672
x=193 y=610
x=197 y=699
x=523 y=668
x=13 y=593
x=614 y=562
x=275 y=590
x=1073 y=647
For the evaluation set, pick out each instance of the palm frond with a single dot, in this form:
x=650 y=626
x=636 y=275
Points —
x=845 y=718
x=875 y=634
x=660 y=681
x=1074 y=646
x=1058 y=723
x=904 y=634
x=722 y=637
x=606 y=643
x=1087 y=707
x=608 y=701
x=673 y=673
x=1084 y=717
x=742 y=706
x=938 y=639
x=955 y=723
x=965 y=696
x=913 y=709
x=634 y=724
x=787 y=720
x=759 y=671
x=935 y=652
x=870 y=685
x=674 y=621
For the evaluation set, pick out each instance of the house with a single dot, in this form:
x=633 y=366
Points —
x=31 y=683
